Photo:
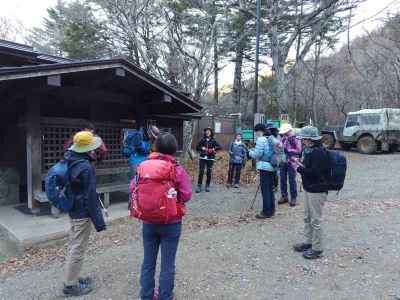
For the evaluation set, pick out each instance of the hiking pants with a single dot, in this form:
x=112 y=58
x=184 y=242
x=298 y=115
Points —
x=287 y=170
x=202 y=166
x=156 y=235
x=234 y=172
x=267 y=192
x=313 y=204
x=78 y=243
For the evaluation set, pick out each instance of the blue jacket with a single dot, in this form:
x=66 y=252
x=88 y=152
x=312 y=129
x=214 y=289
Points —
x=83 y=190
x=237 y=153
x=260 y=154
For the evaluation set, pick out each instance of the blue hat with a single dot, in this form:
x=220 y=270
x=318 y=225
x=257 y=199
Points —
x=272 y=126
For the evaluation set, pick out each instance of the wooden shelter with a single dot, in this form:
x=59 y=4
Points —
x=224 y=127
x=45 y=99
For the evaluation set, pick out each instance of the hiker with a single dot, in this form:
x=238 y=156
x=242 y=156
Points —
x=237 y=160
x=275 y=139
x=314 y=170
x=152 y=133
x=100 y=154
x=292 y=148
x=263 y=152
x=160 y=177
x=138 y=144
x=136 y=148
x=207 y=147
x=86 y=209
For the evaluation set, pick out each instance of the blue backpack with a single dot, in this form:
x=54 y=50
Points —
x=57 y=185
x=134 y=143
x=271 y=155
x=337 y=172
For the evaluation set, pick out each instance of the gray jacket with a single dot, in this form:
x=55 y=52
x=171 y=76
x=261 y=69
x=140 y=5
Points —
x=237 y=153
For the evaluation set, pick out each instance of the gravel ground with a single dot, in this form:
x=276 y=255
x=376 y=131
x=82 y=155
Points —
x=226 y=254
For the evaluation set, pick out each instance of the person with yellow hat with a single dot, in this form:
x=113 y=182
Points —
x=292 y=148
x=86 y=209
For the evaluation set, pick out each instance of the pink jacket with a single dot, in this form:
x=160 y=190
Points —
x=183 y=187
x=291 y=145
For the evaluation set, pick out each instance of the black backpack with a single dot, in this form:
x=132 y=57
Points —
x=337 y=170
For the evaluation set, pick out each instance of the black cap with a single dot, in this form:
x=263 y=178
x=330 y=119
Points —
x=259 y=127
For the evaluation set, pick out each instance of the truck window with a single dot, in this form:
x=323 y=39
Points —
x=370 y=119
x=394 y=120
x=352 y=120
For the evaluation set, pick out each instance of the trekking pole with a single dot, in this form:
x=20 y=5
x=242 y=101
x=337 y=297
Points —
x=104 y=208
x=255 y=196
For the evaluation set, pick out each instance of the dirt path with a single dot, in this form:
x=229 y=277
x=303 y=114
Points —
x=227 y=256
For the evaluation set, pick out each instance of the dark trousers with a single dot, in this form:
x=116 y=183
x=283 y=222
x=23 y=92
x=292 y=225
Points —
x=202 y=166
x=234 y=172
x=267 y=192
x=286 y=170
x=156 y=235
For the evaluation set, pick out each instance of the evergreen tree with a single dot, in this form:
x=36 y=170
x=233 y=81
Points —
x=71 y=30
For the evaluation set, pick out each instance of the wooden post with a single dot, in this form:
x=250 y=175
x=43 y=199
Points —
x=33 y=151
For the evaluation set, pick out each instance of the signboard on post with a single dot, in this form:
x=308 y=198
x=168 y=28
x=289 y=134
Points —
x=284 y=118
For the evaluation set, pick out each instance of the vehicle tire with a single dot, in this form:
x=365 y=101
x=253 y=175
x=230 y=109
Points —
x=345 y=146
x=367 y=145
x=393 y=148
x=328 y=141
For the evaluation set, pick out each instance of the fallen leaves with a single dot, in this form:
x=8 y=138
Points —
x=220 y=170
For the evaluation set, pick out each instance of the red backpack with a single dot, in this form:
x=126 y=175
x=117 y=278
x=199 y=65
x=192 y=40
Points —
x=154 y=197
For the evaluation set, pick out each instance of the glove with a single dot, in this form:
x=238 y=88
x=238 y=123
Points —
x=210 y=151
x=300 y=169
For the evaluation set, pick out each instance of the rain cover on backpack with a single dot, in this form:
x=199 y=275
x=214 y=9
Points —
x=134 y=143
x=154 y=197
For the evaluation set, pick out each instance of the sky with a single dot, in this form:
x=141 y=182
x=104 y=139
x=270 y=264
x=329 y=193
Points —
x=31 y=13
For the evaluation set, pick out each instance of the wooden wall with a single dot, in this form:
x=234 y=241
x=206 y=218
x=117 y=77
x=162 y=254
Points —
x=228 y=128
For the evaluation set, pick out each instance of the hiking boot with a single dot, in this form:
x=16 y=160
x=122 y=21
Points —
x=236 y=186
x=293 y=202
x=283 y=200
x=198 y=190
x=156 y=297
x=312 y=254
x=77 y=290
x=207 y=189
x=301 y=247
x=261 y=215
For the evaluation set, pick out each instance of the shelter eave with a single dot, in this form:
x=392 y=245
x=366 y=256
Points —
x=14 y=73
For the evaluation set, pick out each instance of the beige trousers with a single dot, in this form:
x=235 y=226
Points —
x=78 y=243
x=313 y=204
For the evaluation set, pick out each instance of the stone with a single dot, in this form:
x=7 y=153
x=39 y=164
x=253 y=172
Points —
x=9 y=186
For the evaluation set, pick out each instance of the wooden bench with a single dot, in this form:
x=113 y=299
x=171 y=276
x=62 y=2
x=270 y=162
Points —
x=106 y=189
x=101 y=189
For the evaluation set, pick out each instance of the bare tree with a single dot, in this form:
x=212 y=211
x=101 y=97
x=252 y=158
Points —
x=10 y=29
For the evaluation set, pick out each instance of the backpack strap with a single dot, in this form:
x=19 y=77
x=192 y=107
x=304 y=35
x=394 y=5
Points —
x=73 y=164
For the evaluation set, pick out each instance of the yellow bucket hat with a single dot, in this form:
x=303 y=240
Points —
x=85 y=141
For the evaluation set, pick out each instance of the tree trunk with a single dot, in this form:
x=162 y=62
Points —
x=281 y=94
x=189 y=128
x=237 y=80
x=314 y=82
x=298 y=45
x=216 y=70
